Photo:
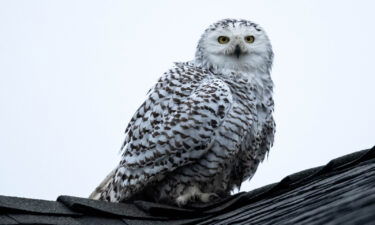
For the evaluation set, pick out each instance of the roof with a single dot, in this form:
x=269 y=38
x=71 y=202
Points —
x=341 y=192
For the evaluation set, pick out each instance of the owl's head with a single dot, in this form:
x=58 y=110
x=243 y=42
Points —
x=235 y=45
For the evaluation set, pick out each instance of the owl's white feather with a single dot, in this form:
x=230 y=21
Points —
x=205 y=125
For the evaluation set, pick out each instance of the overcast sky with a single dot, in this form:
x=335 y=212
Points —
x=72 y=73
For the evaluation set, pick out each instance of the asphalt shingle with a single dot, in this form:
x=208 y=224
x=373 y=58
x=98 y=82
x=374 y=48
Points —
x=15 y=204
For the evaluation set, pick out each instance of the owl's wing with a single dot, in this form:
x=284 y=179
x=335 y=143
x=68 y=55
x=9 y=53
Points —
x=269 y=127
x=175 y=125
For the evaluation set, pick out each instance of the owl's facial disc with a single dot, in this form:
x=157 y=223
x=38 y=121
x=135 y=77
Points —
x=235 y=45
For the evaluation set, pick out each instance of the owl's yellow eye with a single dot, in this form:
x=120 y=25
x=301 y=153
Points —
x=250 y=39
x=223 y=39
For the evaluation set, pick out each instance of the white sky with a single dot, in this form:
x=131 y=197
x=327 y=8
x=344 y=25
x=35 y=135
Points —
x=72 y=73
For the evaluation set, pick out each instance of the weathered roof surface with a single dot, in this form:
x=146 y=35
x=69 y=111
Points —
x=341 y=192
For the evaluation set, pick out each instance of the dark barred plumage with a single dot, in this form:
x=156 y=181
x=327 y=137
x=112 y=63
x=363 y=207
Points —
x=204 y=127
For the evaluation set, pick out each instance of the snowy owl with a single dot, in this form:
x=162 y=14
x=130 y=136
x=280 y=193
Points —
x=205 y=125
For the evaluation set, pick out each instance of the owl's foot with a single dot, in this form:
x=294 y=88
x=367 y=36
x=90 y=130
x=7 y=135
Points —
x=206 y=197
x=192 y=194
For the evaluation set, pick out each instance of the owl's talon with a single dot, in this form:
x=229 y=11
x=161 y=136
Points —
x=214 y=197
x=207 y=197
x=193 y=194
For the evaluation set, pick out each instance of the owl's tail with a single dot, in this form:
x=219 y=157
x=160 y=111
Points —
x=103 y=186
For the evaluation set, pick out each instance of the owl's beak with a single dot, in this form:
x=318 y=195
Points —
x=237 y=51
